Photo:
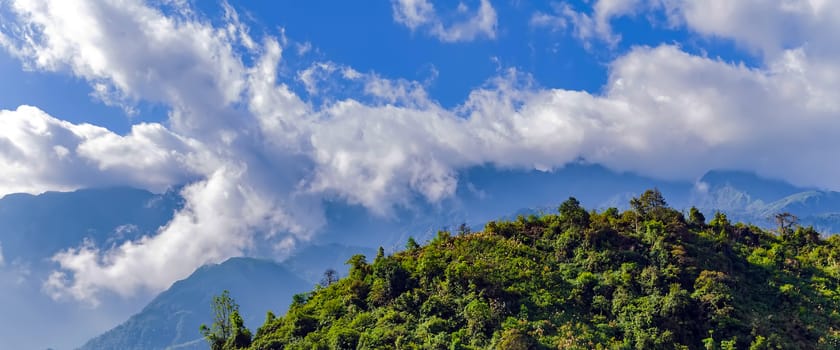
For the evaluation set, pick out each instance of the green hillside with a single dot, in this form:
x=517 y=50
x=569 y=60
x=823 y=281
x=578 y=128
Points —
x=647 y=278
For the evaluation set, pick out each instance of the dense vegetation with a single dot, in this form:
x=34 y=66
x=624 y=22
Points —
x=647 y=278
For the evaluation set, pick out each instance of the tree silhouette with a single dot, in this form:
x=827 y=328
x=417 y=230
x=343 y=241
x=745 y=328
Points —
x=330 y=277
x=221 y=330
x=786 y=221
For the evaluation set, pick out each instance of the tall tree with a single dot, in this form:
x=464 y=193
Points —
x=573 y=213
x=696 y=218
x=649 y=203
x=786 y=221
x=221 y=330
x=330 y=277
x=464 y=229
x=411 y=244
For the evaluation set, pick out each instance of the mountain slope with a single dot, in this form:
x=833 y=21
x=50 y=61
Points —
x=310 y=262
x=645 y=279
x=37 y=226
x=751 y=198
x=754 y=186
x=807 y=203
x=172 y=319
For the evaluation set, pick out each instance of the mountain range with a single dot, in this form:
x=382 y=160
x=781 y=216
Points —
x=35 y=227
x=750 y=198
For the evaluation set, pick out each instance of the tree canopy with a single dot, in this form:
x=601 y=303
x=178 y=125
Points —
x=647 y=278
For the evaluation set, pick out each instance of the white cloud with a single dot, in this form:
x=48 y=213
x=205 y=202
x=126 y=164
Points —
x=587 y=26
x=248 y=161
x=546 y=20
x=315 y=74
x=422 y=15
x=178 y=60
x=413 y=13
x=220 y=217
x=769 y=27
x=765 y=26
x=261 y=159
x=42 y=153
x=15 y=274
x=304 y=48
x=2 y=259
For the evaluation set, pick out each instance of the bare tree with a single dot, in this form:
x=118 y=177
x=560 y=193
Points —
x=330 y=277
x=786 y=222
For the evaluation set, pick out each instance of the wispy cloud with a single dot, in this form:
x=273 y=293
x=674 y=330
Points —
x=470 y=25
x=587 y=25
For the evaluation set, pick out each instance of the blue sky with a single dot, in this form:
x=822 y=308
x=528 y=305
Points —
x=267 y=110
x=368 y=39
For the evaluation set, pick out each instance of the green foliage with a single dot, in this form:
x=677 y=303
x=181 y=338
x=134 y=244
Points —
x=649 y=204
x=696 y=218
x=411 y=244
x=572 y=213
x=647 y=278
x=228 y=330
x=720 y=221
x=240 y=337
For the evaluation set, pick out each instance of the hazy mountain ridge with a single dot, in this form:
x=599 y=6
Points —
x=750 y=198
x=38 y=226
x=739 y=198
x=34 y=227
x=172 y=319
x=743 y=196
x=310 y=262
x=758 y=187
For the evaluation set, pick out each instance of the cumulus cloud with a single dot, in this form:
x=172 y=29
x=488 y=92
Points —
x=40 y=152
x=768 y=27
x=468 y=25
x=219 y=219
x=779 y=99
x=246 y=161
x=178 y=60
x=260 y=158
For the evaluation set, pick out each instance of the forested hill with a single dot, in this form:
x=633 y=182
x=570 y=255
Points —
x=646 y=278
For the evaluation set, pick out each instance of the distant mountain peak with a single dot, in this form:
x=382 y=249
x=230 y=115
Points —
x=754 y=186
